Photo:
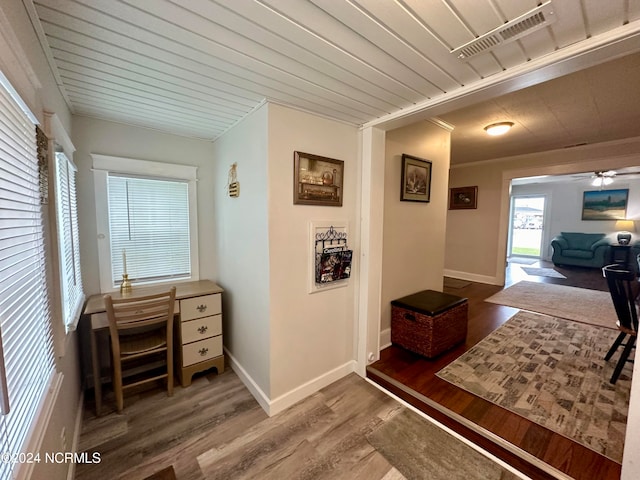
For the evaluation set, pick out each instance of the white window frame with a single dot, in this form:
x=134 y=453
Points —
x=61 y=141
x=102 y=166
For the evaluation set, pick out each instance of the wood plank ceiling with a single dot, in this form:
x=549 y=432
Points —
x=197 y=67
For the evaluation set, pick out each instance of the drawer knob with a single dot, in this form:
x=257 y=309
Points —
x=201 y=308
x=203 y=329
x=203 y=351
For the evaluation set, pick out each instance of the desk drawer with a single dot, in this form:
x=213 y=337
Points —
x=201 y=328
x=200 y=351
x=198 y=307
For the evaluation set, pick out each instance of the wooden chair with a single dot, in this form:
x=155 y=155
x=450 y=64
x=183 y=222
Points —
x=623 y=286
x=141 y=328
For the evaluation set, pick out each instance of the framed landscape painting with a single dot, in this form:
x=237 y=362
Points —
x=605 y=204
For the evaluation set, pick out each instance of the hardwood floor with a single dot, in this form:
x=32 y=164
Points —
x=214 y=429
x=510 y=437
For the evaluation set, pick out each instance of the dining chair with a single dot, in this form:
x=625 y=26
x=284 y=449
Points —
x=141 y=330
x=623 y=286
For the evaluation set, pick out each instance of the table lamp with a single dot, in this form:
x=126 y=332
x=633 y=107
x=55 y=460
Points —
x=624 y=229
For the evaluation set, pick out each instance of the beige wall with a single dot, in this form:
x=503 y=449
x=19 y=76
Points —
x=241 y=245
x=311 y=334
x=476 y=239
x=91 y=135
x=414 y=233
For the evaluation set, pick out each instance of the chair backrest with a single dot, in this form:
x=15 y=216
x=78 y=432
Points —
x=623 y=287
x=139 y=312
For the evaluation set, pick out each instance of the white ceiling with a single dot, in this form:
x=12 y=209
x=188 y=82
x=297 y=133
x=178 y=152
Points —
x=197 y=67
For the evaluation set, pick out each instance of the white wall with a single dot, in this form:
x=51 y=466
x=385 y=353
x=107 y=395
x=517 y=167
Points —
x=414 y=233
x=312 y=335
x=564 y=207
x=91 y=135
x=240 y=244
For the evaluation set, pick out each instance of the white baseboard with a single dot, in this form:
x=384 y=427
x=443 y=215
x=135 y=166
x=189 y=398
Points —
x=272 y=407
x=385 y=338
x=472 y=277
x=251 y=385
x=303 y=391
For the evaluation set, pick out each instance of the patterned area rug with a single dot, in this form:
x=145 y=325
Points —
x=542 y=272
x=552 y=372
x=578 y=304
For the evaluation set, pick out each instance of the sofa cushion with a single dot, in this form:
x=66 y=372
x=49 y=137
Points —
x=578 y=253
x=582 y=241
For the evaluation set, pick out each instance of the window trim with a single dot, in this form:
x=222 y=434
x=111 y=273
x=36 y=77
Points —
x=105 y=164
x=71 y=322
x=59 y=138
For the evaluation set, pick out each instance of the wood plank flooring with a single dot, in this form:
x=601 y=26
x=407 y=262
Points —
x=214 y=429
x=463 y=412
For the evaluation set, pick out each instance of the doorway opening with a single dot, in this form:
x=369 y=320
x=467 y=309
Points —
x=526 y=225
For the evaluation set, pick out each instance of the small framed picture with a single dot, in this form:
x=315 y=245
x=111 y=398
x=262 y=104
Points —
x=317 y=180
x=461 y=198
x=416 y=179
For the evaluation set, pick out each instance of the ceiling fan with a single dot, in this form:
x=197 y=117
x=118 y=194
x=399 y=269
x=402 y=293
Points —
x=602 y=178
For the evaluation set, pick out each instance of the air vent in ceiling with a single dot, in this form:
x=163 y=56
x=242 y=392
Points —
x=525 y=24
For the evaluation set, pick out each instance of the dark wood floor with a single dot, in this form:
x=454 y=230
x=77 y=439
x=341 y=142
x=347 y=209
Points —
x=517 y=441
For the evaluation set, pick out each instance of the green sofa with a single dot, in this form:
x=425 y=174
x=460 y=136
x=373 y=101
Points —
x=581 y=249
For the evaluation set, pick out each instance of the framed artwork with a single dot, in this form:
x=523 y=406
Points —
x=461 y=198
x=416 y=179
x=605 y=204
x=317 y=180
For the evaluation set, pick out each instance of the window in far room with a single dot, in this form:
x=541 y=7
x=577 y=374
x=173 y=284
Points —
x=146 y=218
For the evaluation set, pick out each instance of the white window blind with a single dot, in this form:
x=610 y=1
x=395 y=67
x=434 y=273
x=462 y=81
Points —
x=25 y=323
x=68 y=241
x=149 y=220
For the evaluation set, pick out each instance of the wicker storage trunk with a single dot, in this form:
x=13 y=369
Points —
x=429 y=322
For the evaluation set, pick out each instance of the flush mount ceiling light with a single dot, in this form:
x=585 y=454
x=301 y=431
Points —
x=498 y=128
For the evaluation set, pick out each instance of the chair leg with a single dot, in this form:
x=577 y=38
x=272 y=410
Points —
x=615 y=346
x=117 y=384
x=170 y=373
x=623 y=358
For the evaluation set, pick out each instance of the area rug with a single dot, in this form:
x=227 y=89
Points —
x=578 y=304
x=450 y=282
x=542 y=272
x=552 y=372
x=418 y=449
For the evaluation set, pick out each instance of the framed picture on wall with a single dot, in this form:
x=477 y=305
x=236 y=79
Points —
x=317 y=180
x=461 y=198
x=416 y=179
x=605 y=204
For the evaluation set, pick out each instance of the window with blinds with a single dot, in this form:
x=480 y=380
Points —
x=26 y=356
x=72 y=293
x=149 y=228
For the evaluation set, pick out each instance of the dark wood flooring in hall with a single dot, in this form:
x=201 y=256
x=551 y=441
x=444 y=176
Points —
x=413 y=378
